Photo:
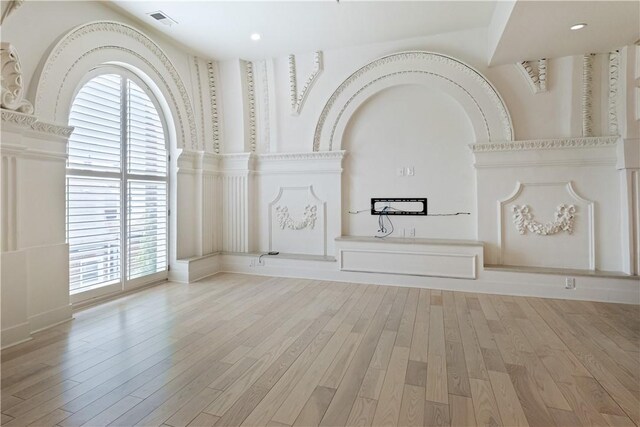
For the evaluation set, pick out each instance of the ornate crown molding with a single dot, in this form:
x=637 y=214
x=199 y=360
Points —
x=214 y=106
x=251 y=100
x=563 y=220
x=314 y=155
x=477 y=77
x=537 y=80
x=299 y=96
x=12 y=84
x=31 y=122
x=546 y=144
x=127 y=31
x=587 y=95
x=614 y=65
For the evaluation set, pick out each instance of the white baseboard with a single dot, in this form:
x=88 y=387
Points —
x=15 y=335
x=623 y=290
x=193 y=269
x=50 y=318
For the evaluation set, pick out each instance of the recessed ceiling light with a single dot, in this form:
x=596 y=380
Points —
x=578 y=26
x=255 y=36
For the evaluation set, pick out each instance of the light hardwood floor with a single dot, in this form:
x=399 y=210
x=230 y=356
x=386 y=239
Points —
x=236 y=349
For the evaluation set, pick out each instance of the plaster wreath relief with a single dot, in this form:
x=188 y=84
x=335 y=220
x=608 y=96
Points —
x=564 y=218
x=308 y=219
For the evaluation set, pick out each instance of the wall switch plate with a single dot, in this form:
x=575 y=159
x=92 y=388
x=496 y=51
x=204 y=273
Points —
x=412 y=232
x=400 y=172
x=570 y=283
x=411 y=171
x=252 y=262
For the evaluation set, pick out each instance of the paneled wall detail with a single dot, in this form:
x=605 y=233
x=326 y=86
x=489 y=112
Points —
x=571 y=250
x=9 y=203
x=235 y=213
x=211 y=213
x=297 y=222
x=299 y=96
x=537 y=78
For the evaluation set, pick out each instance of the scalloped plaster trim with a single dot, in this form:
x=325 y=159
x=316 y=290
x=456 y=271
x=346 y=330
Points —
x=126 y=30
x=427 y=56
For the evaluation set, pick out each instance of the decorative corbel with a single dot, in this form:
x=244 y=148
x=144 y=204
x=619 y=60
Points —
x=298 y=97
x=537 y=78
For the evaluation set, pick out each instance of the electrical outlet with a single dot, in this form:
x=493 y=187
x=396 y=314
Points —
x=411 y=171
x=570 y=283
x=412 y=232
x=252 y=262
x=400 y=171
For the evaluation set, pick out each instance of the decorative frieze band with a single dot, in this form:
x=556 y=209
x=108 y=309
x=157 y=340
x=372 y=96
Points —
x=546 y=144
x=587 y=95
x=299 y=96
x=251 y=100
x=31 y=122
x=614 y=64
x=214 y=106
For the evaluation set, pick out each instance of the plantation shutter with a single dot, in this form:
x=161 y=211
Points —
x=116 y=185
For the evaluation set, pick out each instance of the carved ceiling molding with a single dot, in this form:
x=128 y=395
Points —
x=546 y=144
x=213 y=99
x=314 y=155
x=251 y=102
x=13 y=89
x=28 y=121
x=587 y=95
x=563 y=220
x=308 y=220
x=298 y=97
x=614 y=66
x=406 y=63
x=51 y=80
x=537 y=78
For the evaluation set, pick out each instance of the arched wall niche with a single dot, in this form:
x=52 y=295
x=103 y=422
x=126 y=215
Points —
x=482 y=102
x=100 y=43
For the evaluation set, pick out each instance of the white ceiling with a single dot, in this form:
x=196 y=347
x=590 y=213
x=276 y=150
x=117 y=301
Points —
x=540 y=29
x=533 y=29
x=222 y=29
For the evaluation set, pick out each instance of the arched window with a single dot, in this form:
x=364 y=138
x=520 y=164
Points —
x=117 y=184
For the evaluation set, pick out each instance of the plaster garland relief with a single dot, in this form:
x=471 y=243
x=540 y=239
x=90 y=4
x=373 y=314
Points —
x=308 y=218
x=299 y=96
x=614 y=65
x=587 y=95
x=251 y=101
x=563 y=220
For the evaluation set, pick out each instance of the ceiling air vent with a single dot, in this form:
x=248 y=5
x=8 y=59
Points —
x=162 y=17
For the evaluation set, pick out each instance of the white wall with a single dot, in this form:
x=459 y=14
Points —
x=417 y=127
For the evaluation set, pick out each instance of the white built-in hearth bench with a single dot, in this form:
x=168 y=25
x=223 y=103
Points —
x=410 y=256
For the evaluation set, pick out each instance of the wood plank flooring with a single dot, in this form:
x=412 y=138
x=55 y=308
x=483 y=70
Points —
x=244 y=350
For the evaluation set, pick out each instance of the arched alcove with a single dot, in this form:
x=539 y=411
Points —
x=414 y=126
x=96 y=44
x=482 y=103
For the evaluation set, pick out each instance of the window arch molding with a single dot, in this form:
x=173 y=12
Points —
x=104 y=43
